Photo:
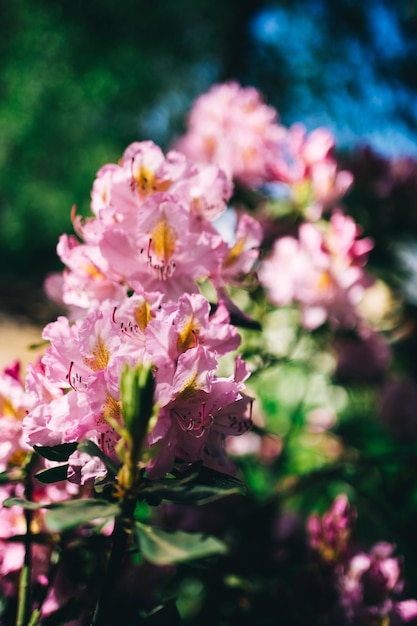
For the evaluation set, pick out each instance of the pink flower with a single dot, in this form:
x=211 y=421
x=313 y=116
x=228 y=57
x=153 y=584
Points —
x=305 y=163
x=406 y=609
x=78 y=381
x=371 y=585
x=165 y=249
x=12 y=523
x=88 y=279
x=322 y=270
x=188 y=324
x=75 y=389
x=151 y=230
x=119 y=190
x=14 y=403
x=232 y=127
x=132 y=317
x=330 y=535
x=198 y=411
x=12 y=553
x=241 y=254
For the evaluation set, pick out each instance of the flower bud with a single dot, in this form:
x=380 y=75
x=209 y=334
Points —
x=137 y=394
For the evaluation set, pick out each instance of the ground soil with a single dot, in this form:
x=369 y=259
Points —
x=17 y=340
x=24 y=311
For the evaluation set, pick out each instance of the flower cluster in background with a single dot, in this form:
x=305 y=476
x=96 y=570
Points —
x=225 y=330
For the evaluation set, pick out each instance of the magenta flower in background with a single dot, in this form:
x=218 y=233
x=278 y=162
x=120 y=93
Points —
x=371 y=587
x=331 y=535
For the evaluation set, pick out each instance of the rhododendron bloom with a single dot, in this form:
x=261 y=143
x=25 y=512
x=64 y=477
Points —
x=241 y=254
x=187 y=324
x=151 y=229
x=14 y=404
x=166 y=249
x=87 y=281
x=231 y=126
x=371 y=584
x=12 y=523
x=83 y=364
x=76 y=388
x=144 y=171
x=13 y=528
x=199 y=411
x=322 y=270
x=306 y=164
x=330 y=535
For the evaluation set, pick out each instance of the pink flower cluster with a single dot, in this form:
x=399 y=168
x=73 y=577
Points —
x=322 y=270
x=76 y=386
x=330 y=535
x=152 y=229
x=13 y=527
x=131 y=286
x=232 y=127
x=14 y=405
x=306 y=164
x=369 y=585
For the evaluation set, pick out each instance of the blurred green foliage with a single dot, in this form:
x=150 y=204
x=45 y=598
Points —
x=77 y=83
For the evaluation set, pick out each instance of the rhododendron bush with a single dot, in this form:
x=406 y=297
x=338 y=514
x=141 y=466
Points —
x=221 y=418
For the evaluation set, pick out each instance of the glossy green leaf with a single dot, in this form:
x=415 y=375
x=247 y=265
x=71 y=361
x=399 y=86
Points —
x=164 y=548
x=73 y=513
x=195 y=488
x=60 y=452
x=62 y=516
x=25 y=504
x=52 y=474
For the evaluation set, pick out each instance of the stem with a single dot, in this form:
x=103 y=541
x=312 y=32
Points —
x=24 y=595
x=34 y=620
x=24 y=600
x=120 y=537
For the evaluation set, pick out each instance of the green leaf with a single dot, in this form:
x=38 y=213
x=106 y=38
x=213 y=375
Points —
x=25 y=504
x=52 y=474
x=72 y=513
x=60 y=452
x=196 y=488
x=89 y=447
x=165 y=548
x=62 y=516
